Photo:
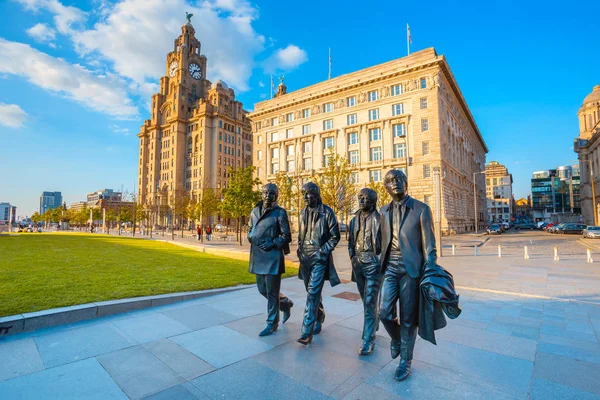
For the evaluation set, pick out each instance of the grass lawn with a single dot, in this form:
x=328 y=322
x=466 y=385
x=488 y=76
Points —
x=42 y=271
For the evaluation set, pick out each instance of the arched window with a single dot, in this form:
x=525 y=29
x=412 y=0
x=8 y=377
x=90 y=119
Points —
x=194 y=90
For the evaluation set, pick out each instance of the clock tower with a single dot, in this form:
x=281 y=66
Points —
x=197 y=131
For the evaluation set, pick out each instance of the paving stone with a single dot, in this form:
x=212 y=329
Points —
x=511 y=374
x=78 y=344
x=19 y=358
x=562 y=331
x=242 y=307
x=58 y=316
x=79 y=380
x=148 y=327
x=356 y=379
x=199 y=316
x=431 y=382
x=542 y=389
x=184 y=391
x=323 y=370
x=251 y=326
x=250 y=380
x=220 y=346
x=581 y=327
x=567 y=371
x=178 y=359
x=364 y=392
x=356 y=323
x=574 y=353
x=138 y=373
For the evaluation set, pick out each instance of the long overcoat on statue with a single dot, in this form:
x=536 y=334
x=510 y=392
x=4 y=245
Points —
x=374 y=225
x=325 y=234
x=273 y=224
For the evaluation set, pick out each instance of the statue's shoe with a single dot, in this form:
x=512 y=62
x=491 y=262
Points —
x=287 y=313
x=395 y=349
x=403 y=370
x=366 y=349
x=269 y=329
x=304 y=339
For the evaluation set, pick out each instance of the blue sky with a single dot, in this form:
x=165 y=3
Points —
x=76 y=76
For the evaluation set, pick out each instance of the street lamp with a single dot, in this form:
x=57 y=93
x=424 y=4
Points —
x=593 y=191
x=475 y=197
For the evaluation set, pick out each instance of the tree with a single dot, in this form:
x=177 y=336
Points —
x=36 y=218
x=208 y=205
x=337 y=189
x=240 y=197
x=180 y=201
x=290 y=192
x=383 y=197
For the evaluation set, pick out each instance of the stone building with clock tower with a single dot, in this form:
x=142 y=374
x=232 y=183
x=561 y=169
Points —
x=196 y=131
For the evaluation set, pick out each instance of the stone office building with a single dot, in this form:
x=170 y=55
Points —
x=498 y=186
x=196 y=131
x=407 y=113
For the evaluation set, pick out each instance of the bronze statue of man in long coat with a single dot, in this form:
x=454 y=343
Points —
x=408 y=246
x=364 y=248
x=318 y=235
x=270 y=236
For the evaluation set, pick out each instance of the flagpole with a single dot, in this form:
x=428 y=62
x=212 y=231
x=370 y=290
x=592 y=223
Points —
x=408 y=39
x=329 y=74
x=271 y=86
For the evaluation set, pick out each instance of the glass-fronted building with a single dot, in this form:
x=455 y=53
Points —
x=50 y=200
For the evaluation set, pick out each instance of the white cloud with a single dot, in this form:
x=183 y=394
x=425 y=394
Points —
x=64 y=16
x=101 y=93
x=134 y=36
x=42 y=33
x=117 y=130
x=261 y=84
x=285 y=59
x=12 y=115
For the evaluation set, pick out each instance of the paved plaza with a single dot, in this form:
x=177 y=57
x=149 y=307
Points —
x=529 y=329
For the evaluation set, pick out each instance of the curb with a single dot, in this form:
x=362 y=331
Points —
x=28 y=322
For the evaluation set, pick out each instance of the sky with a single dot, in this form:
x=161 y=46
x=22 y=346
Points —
x=76 y=76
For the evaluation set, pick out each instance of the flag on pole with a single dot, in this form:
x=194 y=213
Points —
x=408 y=38
x=329 y=75
x=272 y=86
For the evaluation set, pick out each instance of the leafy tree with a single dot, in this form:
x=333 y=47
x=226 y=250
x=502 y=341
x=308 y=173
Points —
x=337 y=189
x=241 y=196
x=179 y=201
x=383 y=196
x=290 y=193
x=208 y=205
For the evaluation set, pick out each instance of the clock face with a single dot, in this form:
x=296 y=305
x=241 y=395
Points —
x=195 y=71
x=173 y=69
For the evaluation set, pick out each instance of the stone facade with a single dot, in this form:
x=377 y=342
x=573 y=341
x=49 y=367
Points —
x=588 y=151
x=196 y=132
x=407 y=113
x=498 y=187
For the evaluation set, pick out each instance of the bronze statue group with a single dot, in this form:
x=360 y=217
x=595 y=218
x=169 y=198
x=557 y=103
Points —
x=394 y=264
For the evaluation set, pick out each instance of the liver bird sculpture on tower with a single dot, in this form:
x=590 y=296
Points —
x=189 y=16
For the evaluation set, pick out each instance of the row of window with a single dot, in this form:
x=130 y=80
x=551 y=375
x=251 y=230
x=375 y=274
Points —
x=373 y=95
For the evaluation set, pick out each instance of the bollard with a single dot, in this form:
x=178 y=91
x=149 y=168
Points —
x=476 y=250
x=589 y=255
x=526 y=253
x=453 y=249
x=499 y=251
x=556 y=253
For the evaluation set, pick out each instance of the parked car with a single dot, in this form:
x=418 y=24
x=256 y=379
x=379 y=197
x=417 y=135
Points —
x=542 y=225
x=527 y=226
x=494 y=229
x=343 y=227
x=554 y=228
x=591 y=232
x=550 y=225
x=571 y=228
x=506 y=226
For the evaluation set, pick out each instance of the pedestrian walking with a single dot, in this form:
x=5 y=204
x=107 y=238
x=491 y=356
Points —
x=208 y=232
x=199 y=232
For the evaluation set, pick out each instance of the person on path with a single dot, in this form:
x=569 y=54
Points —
x=208 y=232
x=199 y=232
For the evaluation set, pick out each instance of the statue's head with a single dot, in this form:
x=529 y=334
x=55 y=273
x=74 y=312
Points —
x=396 y=184
x=367 y=199
x=270 y=193
x=311 y=194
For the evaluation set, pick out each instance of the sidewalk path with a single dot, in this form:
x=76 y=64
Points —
x=542 y=343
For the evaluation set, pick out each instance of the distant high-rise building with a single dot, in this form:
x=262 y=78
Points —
x=5 y=211
x=50 y=200
x=587 y=147
x=498 y=186
x=555 y=191
x=108 y=195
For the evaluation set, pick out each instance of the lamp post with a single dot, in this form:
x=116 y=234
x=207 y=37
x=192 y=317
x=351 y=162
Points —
x=438 y=208
x=475 y=198
x=593 y=192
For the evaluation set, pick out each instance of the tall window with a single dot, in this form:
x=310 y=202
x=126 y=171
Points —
x=259 y=139
x=291 y=166
x=351 y=101
x=274 y=121
x=274 y=167
x=275 y=152
x=398 y=109
x=259 y=155
x=352 y=119
x=375 y=153
x=289 y=117
x=426 y=171
x=399 y=130
x=306 y=113
x=424 y=124
x=373 y=114
x=399 y=150
x=328 y=142
x=307 y=163
x=353 y=138
x=289 y=150
x=353 y=157
x=327 y=107
x=307 y=147
x=305 y=129
x=274 y=136
x=425 y=148
x=374 y=134
x=289 y=133
x=423 y=83
x=396 y=90
x=354 y=177
x=423 y=103
x=375 y=176
x=327 y=124
x=327 y=159
x=374 y=95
